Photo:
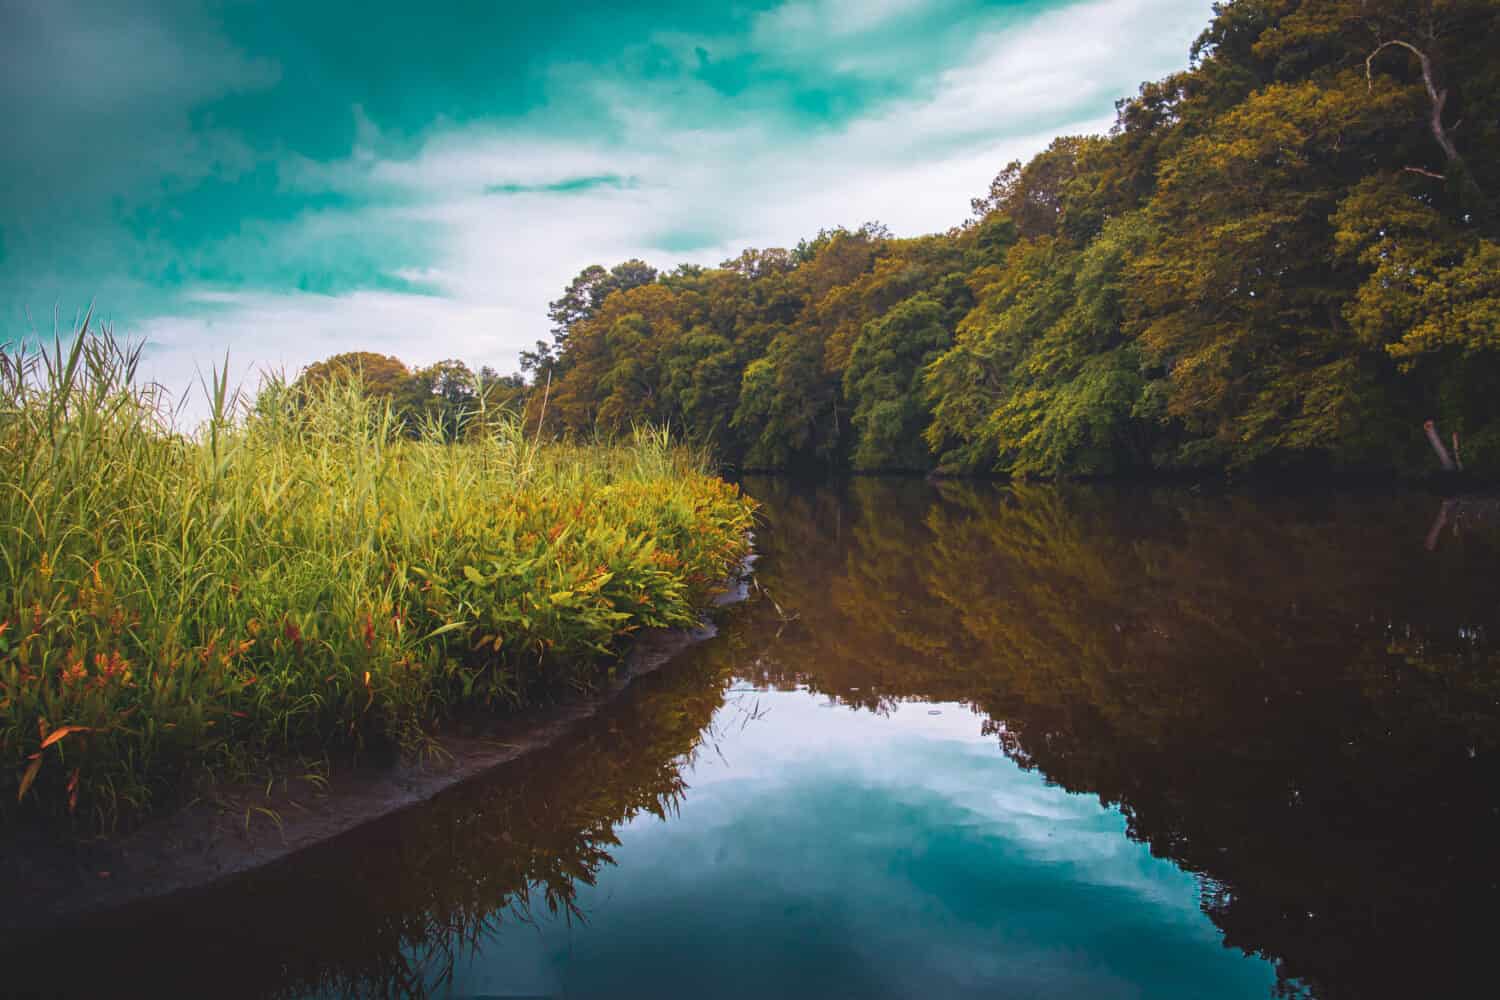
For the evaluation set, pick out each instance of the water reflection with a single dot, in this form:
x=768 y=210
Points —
x=834 y=852
x=1290 y=706
x=386 y=910
x=1292 y=697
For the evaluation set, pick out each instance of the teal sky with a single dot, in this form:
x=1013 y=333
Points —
x=290 y=179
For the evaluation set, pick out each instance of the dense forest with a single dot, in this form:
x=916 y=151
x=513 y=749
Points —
x=1285 y=257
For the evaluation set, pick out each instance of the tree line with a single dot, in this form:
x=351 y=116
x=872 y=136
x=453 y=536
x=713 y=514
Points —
x=438 y=401
x=1283 y=257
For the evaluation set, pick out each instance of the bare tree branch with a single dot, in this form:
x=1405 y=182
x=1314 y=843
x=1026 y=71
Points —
x=1437 y=95
x=1425 y=173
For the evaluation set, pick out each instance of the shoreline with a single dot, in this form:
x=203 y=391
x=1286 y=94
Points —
x=49 y=884
x=1438 y=484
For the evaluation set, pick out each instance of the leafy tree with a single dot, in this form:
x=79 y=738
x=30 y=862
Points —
x=382 y=375
x=1281 y=256
x=441 y=399
x=1031 y=196
x=787 y=408
x=580 y=301
x=889 y=415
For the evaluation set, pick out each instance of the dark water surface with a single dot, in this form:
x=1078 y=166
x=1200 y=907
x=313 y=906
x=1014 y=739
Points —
x=968 y=741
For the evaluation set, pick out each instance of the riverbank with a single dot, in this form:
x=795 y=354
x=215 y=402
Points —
x=52 y=883
x=1259 y=705
x=299 y=579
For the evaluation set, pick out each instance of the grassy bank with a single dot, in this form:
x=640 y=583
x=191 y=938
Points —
x=296 y=577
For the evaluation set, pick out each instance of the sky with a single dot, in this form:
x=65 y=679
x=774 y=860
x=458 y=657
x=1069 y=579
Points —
x=283 y=180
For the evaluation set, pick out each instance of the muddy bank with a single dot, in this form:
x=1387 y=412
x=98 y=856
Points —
x=44 y=883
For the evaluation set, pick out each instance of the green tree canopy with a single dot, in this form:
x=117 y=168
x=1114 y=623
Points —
x=1283 y=256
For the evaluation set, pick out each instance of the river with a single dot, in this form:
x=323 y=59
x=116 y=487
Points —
x=964 y=740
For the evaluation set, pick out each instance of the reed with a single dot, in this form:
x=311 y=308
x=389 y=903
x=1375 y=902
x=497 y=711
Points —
x=296 y=576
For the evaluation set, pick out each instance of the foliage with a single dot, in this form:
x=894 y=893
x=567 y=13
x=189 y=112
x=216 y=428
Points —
x=302 y=574
x=888 y=413
x=434 y=399
x=1282 y=256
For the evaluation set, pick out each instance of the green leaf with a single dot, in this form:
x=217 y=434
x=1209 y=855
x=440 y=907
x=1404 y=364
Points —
x=442 y=629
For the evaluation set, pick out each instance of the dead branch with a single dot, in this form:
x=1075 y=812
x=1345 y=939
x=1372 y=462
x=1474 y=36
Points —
x=1426 y=173
x=1437 y=95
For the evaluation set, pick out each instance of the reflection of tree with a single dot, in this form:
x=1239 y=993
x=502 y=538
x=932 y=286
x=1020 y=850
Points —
x=1288 y=696
x=854 y=559
x=1291 y=697
x=1457 y=513
x=385 y=910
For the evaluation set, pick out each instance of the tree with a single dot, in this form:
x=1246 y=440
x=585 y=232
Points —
x=381 y=375
x=787 y=408
x=579 y=302
x=888 y=415
x=440 y=399
x=1031 y=196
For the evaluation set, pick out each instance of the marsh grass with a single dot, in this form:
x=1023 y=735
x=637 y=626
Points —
x=296 y=576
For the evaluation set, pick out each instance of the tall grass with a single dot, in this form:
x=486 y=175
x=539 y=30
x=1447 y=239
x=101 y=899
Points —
x=297 y=576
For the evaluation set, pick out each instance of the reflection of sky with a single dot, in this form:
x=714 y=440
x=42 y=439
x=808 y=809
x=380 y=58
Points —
x=824 y=851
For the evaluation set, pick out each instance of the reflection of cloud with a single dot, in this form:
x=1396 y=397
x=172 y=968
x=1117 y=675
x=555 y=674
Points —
x=911 y=753
x=835 y=850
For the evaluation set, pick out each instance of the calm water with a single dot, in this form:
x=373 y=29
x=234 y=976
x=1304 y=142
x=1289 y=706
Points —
x=967 y=741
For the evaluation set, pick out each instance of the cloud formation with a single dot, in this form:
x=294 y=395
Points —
x=290 y=206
